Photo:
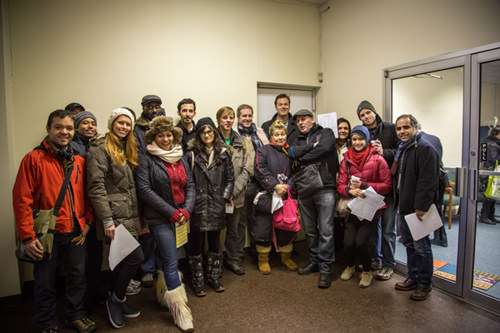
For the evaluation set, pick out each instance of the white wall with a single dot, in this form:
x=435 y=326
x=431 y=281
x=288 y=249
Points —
x=10 y=273
x=438 y=106
x=110 y=53
x=362 y=37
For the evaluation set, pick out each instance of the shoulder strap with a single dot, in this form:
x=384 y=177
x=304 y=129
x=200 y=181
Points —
x=68 y=170
x=192 y=160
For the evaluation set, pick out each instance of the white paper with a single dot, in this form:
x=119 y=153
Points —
x=277 y=202
x=121 y=246
x=329 y=120
x=365 y=208
x=229 y=208
x=430 y=222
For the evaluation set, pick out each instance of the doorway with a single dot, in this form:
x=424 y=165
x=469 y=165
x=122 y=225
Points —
x=457 y=98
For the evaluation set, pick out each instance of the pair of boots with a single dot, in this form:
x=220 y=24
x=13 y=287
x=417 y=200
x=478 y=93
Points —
x=214 y=273
x=286 y=258
x=176 y=302
x=488 y=212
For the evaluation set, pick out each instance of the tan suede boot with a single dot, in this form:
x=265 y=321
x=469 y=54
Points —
x=263 y=264
x=286 y=257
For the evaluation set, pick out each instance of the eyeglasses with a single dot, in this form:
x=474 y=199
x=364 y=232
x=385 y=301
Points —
x=153 y=107
x=208 y=132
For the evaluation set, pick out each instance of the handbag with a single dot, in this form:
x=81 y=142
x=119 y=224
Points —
x=493 y=185
x=287 y=218
x=308 y=180
x=45 y=223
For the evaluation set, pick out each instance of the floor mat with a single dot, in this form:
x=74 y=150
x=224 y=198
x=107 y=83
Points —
x=482 y=280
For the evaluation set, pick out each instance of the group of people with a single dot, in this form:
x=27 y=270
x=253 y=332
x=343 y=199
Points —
x=152 y=176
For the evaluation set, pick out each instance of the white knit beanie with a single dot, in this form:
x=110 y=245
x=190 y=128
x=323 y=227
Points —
x=119 y=112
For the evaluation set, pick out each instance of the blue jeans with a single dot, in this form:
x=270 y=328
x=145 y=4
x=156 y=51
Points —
x=150 y=253
x=419 y=256
x=317 y=213
x=388 y=234
x=165 y=241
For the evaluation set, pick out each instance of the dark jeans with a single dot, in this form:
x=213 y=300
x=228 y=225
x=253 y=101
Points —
x=317 y=212
x=125 y=271
x=97 y=287
x=196 y=241
x=235 y=235
x=165 y=239
x=419 y=256
x=264 y=231
x=357 y=236
x=72 y=257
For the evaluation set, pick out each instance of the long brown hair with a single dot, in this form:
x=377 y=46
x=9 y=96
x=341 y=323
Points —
x=119 y=155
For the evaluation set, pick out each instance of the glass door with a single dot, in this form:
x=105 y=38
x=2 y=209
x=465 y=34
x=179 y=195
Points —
x=435 y=95
x=482 y=278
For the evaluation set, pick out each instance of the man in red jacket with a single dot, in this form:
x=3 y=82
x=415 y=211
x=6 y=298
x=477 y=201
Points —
x=38 y=183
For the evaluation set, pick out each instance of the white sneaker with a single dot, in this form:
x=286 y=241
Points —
x=133 y=288
x=366 y=279
x=348 y=273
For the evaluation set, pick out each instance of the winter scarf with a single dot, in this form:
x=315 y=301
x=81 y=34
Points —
x=358 y=158
x=252 y=133
x=171 y=156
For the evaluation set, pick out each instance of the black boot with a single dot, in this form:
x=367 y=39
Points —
x=491 y=212
x=486 y=211
x=214 y=271
x=197 y=278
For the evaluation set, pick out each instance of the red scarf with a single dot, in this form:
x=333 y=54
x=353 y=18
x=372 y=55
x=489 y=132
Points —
x=358 y=158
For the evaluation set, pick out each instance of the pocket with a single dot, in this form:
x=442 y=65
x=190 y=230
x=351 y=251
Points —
x=119 y=205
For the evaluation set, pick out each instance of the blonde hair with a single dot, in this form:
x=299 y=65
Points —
x=223 y=111
x=277 y=125
x=118 y=155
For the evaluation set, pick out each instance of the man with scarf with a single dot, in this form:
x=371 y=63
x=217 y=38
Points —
x=416 y=172
x=384 y=141
x=151 y=107
x=39 y=181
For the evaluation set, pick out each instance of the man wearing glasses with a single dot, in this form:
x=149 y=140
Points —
x=151 y=107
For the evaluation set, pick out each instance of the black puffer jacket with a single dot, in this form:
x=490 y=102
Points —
x=304 y=150
x=154 y=192
x=186 y=135
x=214 y=185
x=417 y=178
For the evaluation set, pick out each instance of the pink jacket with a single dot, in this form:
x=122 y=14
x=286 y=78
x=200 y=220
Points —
x=374 y=173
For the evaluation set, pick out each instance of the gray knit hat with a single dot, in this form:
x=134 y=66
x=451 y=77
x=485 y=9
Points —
x=80 y=116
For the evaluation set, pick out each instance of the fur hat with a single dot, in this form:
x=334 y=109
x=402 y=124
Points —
x=162 y=124
x=120 y=112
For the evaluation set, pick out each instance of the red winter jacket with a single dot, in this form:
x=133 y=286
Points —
x=37 y=185
x=375 y=173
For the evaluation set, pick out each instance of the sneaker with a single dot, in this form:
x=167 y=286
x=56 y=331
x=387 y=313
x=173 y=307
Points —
x=129 y=311
x=384 y=274
x=406 y=285
x=348 y=273
x=147 y=280
x=83 y=325
x=133 y=288
x=366 y=279
x=115 y=311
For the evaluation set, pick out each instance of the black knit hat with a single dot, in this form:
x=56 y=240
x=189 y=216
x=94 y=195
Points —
x=203 y=122
x=366 y=105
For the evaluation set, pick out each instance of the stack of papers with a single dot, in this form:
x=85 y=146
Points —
x=430 y=222
x=365 y=208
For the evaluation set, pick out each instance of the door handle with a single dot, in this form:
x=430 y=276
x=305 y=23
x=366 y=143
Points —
x=473 y=176
x=461 y=182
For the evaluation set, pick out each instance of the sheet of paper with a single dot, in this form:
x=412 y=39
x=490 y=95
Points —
x=329 y=120
x=430 y=222
x=121 y=246
x=277 y=202
x=181 y=234
x=365 y=208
